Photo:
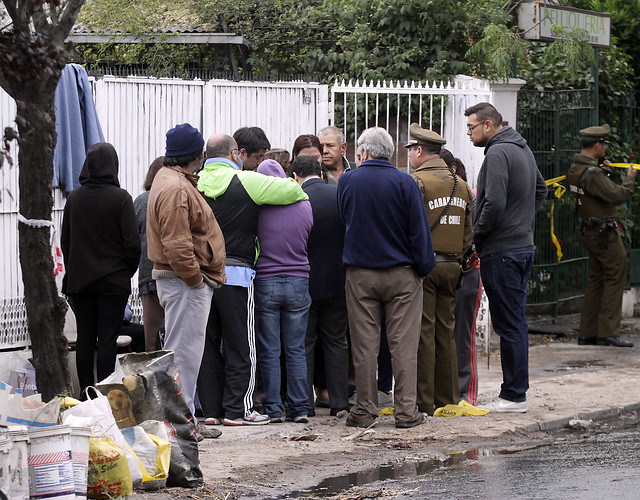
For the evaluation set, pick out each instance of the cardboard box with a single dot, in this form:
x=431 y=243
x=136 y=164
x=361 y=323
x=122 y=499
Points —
x=30 y=410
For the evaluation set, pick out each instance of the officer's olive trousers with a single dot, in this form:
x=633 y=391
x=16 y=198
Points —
x=602 y=305
x=437 y=359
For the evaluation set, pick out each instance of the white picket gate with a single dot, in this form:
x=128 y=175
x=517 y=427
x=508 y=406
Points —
x=395 y=105
x=437 y=106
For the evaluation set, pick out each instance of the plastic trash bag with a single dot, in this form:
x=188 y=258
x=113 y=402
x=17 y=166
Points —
x=96 y=414
x=462 y=409
x=108 y=474
x=153 y=454
x=152 y=383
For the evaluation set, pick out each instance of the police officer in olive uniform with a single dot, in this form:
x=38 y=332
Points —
x=448 y=202
x=597 y=198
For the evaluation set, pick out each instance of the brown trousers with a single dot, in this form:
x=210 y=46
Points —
x=399 y=291
x=152 y=317
x=437 y=359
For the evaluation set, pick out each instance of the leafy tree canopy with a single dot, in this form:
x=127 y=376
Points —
x=136 y=16
x=416 y=39
x=401 y=39
x=625 y=22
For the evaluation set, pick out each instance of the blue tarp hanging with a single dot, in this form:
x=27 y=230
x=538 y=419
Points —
x=77 y=126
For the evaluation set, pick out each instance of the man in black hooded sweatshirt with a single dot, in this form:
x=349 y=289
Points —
x=510 y=191
x=101 y=249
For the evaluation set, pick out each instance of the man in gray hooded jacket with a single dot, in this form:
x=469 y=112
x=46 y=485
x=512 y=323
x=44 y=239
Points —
x=510 y=191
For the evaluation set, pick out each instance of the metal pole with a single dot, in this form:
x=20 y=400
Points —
x=556 y=169
x=594 y=72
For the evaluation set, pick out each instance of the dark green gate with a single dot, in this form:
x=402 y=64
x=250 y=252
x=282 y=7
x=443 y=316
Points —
x=550 y=122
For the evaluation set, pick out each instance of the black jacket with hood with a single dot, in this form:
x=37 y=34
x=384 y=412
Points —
x=100 y=240
x=510 y=191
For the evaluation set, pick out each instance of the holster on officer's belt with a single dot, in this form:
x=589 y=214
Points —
x=600 y=228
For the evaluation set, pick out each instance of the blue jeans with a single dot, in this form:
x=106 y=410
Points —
x=504 y=277
x=282 y=310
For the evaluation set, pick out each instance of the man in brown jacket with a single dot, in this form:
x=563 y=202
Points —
x=448 y=202
x=187 y=248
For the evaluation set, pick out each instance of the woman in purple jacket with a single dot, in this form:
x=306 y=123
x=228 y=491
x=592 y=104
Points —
x=282 y=302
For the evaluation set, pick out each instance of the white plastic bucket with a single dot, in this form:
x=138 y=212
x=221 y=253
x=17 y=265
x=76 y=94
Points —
x=50 y=463
x=80 y=456
x=14 y=480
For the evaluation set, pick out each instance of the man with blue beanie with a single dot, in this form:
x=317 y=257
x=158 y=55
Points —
x=186 y=245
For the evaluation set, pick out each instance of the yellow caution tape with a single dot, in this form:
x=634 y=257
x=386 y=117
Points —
x=559 y=193
x=635 y=166
x=555 y=180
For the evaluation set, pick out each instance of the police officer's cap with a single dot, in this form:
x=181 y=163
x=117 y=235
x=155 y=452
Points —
x=597 y=134
x=423 y=137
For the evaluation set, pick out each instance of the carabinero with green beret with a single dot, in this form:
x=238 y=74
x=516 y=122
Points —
x=448 y=202
x=597 y=198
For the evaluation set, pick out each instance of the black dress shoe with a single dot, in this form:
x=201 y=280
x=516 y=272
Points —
x=586 y=341
x=614 y=341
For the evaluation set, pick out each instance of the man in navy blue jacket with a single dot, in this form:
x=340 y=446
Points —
x=387 y=251
x=328 y=314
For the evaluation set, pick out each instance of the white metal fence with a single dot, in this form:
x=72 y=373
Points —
x=135 y=114
x=437 y=106
x=395 y=105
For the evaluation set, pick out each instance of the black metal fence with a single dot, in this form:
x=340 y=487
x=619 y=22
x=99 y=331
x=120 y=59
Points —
x=550 y=122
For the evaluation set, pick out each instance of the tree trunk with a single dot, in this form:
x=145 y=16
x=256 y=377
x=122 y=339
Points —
x=45 y=308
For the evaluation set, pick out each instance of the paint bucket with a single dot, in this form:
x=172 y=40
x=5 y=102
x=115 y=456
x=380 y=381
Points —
x=50 y=463
x=80 y=456
x=14 y=482
x=18 y=463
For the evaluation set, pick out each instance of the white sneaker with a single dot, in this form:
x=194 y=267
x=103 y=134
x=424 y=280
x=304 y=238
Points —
x=253 y=418
x=500 y=405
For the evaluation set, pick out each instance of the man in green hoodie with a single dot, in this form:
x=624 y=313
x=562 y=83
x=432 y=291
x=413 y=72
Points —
x=226 y=383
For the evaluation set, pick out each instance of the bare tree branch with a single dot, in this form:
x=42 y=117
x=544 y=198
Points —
x=12 y=10
x=69 y=15
x=53 y=13
x=40 y=22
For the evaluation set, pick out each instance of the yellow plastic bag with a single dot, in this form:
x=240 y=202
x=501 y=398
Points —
x=462 y=409
x=108 y=471
x=153 y=455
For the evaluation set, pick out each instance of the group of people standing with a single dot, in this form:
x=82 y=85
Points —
x=252 y=260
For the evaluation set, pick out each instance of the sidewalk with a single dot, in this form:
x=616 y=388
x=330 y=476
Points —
x=566 y=381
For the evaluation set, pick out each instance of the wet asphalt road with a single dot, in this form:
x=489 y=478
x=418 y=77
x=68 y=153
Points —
x=599 y=463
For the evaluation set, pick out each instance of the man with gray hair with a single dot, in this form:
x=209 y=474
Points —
x=387 y=252
x=334 y=148
x=226 y=382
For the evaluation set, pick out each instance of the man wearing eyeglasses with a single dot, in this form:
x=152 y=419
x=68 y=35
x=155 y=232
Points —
x=597 y=197
x=510 y=191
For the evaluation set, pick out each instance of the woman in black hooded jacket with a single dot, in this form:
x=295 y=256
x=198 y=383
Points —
x=101 y=249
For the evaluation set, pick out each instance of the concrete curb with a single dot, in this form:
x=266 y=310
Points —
x=597 y=415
